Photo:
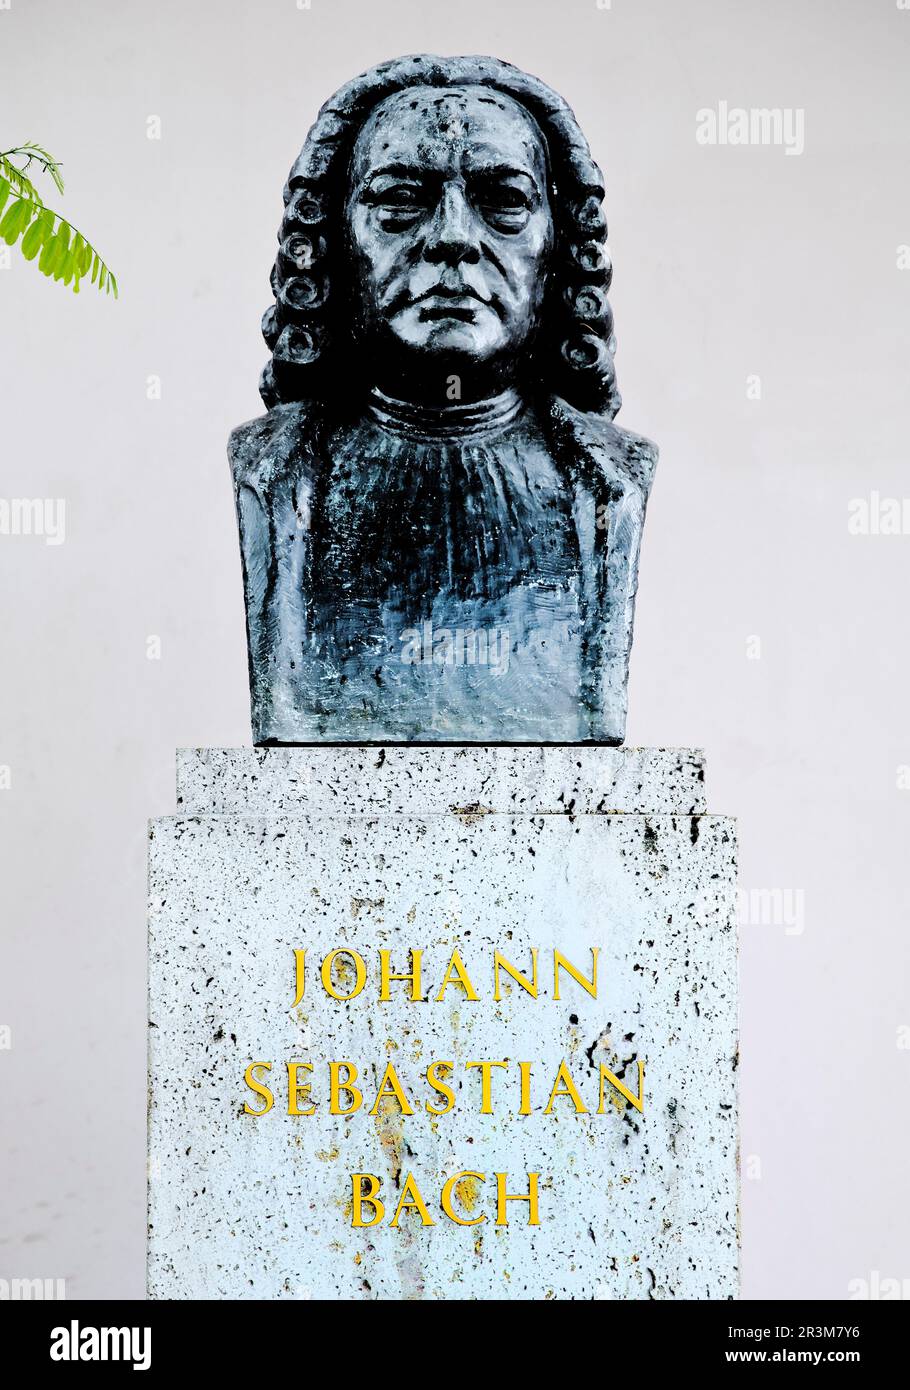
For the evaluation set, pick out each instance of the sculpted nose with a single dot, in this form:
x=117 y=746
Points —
x=452 y=237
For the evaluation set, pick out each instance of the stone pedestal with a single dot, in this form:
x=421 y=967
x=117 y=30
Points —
x=559 y=855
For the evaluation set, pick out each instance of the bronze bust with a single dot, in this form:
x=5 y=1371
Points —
x=439 y=522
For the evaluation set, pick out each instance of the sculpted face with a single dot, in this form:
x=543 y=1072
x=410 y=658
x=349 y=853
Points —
x=449 y=222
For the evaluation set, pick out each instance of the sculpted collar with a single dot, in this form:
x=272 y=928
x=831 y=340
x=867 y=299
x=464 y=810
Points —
x=451 y=423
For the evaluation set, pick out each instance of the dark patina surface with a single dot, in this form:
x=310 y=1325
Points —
x=439 y=522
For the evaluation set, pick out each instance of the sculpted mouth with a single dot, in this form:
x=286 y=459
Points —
x=463 y=311
x=445 y=302
x=449 y=293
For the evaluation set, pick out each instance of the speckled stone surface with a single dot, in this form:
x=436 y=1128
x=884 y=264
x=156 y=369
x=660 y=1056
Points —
x=631 y=1205
x=430 y=780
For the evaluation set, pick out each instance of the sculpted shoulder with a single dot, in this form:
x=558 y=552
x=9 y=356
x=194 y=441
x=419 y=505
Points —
x=616 y=452
x=272 y=446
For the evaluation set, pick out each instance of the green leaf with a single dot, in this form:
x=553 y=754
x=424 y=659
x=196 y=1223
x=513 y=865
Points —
x=31 y=242
x=48 y=252
x=57 y=254
x=4 y=192
x=63 y=240
x=9 y=219
x=14 y=219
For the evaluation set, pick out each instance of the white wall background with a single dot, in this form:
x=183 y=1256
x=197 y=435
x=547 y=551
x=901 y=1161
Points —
x=729 y=262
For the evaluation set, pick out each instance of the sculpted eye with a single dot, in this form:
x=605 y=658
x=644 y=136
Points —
x=504 y=206
x=400 y=196
x=508 y=197
x=397 y=203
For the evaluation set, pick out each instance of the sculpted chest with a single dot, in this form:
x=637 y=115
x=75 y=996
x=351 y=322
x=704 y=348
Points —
x=404 y=587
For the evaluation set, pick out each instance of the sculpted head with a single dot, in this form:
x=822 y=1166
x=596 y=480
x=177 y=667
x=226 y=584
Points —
x=449 y=224
x=444 y=216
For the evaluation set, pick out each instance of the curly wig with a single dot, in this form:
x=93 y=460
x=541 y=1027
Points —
x=308 y=327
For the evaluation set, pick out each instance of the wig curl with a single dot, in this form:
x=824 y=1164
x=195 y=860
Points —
x=308 y=327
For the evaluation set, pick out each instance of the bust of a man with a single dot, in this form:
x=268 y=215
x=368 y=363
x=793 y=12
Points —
x=439 y=522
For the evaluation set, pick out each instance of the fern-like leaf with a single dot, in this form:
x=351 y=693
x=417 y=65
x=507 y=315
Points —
x=32 y=150
x=62 y=252
x=18 y=179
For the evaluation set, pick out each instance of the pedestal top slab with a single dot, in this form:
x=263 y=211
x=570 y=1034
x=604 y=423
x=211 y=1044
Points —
x=429 y=780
